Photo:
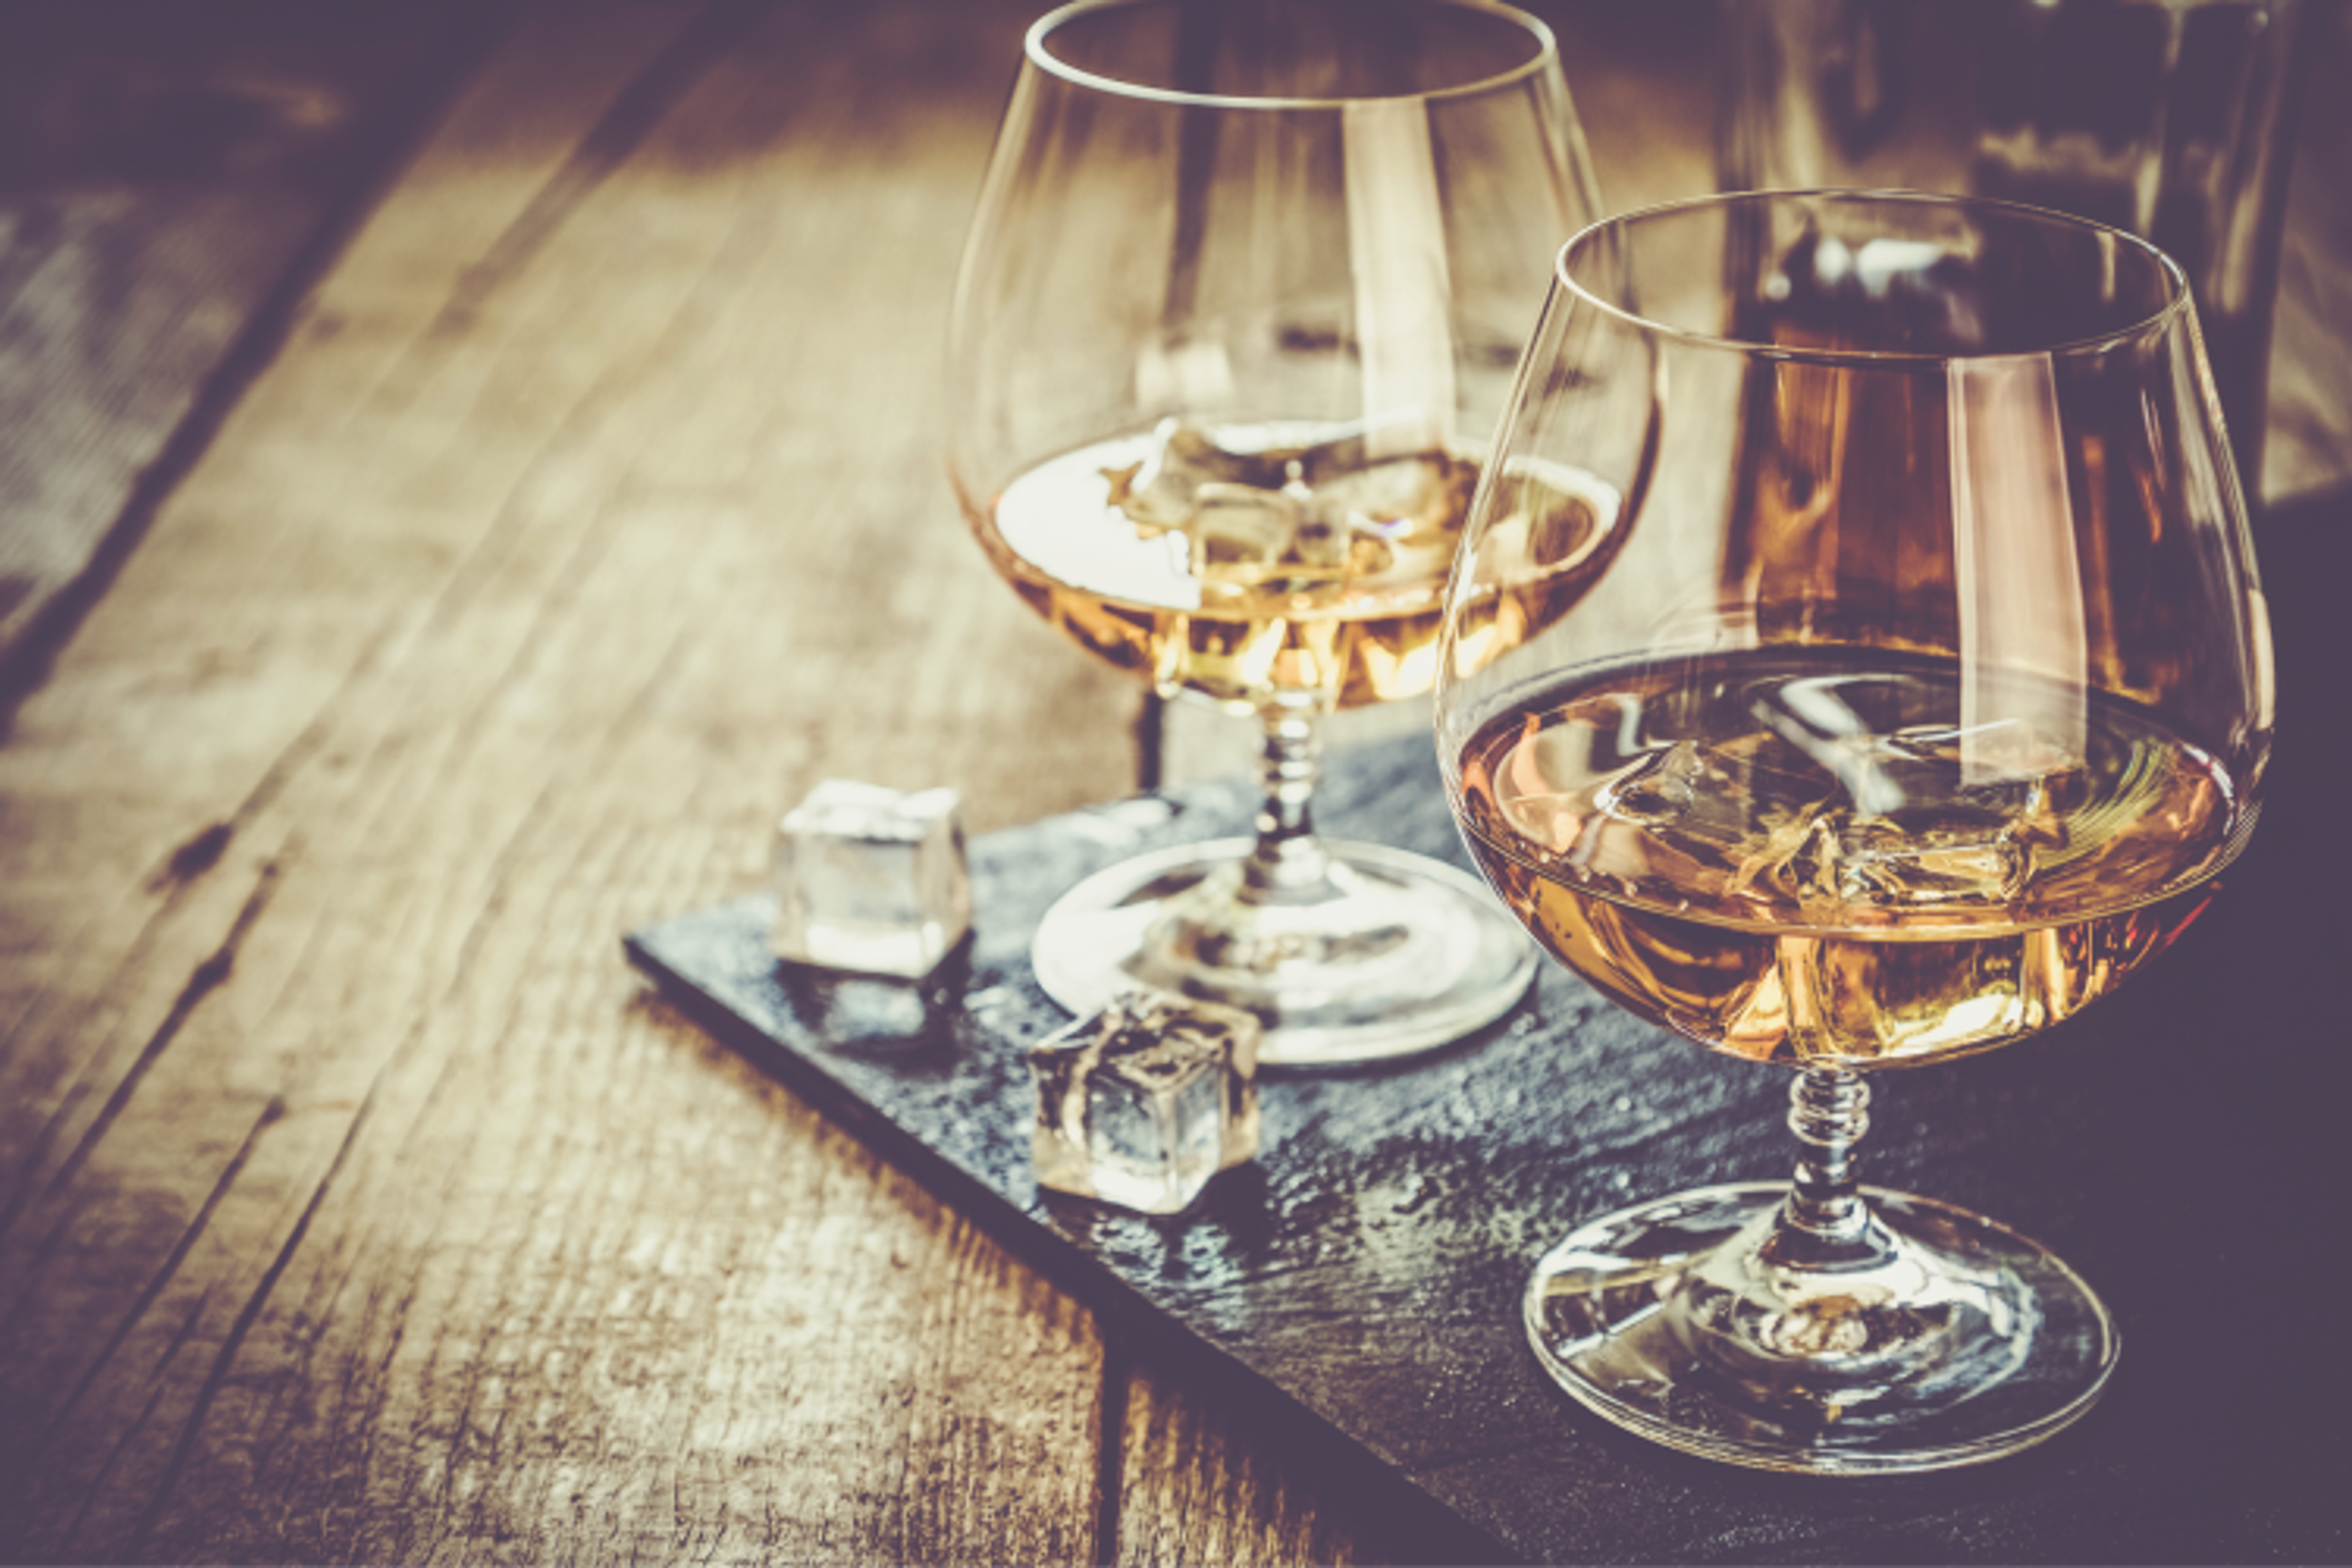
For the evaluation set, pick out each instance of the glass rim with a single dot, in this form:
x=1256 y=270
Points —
x=1033 y=46
x=2176 y=302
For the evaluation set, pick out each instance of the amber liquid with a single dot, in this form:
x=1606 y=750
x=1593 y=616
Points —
x=1207 y=590
x=1797 y=855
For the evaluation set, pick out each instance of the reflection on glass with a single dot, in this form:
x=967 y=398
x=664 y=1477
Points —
x=2172 y=120
x=1923 y=693
x=1238 y=312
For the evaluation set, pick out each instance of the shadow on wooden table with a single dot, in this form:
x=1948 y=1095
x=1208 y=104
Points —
x=173 y=178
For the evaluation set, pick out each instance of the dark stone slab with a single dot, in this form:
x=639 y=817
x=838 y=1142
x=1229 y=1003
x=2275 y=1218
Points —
x=2179 y=1146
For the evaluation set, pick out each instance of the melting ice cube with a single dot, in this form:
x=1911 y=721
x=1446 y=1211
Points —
x=1662 y=786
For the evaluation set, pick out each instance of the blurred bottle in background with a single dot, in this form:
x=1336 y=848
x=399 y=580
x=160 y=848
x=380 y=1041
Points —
x=2172 y=118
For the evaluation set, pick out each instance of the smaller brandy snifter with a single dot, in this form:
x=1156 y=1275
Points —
x=1238 y=312
x=1926 y=692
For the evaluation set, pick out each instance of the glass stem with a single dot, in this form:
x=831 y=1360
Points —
x=1287 y=864
x=1825 y=1221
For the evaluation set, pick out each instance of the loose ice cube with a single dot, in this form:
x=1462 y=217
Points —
x=1142 y=1103
x=871 y=879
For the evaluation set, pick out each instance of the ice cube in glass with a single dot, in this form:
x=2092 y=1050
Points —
x=1243 y=536
x=1163 y=491
x=1422 y=493
x=1140 y=1104
x=871 y=879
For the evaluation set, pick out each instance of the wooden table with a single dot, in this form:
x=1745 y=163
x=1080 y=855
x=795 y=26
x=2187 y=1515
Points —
x=576 y=506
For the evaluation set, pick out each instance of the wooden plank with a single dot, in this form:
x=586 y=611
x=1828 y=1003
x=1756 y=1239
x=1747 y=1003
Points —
x=1202 y=1485
x=163 y=173
x=359 y=1208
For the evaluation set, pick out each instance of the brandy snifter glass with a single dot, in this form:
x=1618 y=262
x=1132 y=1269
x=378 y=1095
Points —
x=1923 y=696
x=1238 y=312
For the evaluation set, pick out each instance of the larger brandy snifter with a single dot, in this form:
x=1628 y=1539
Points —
x=1239 y=310
x=1924 y=696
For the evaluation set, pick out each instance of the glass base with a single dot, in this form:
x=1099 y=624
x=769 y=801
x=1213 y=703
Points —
x=1963 y=1341
x=1389 y=953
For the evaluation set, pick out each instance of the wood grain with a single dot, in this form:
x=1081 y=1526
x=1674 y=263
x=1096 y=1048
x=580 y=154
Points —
x=1201 y=1484
x=358 y=1206
x=166 y=175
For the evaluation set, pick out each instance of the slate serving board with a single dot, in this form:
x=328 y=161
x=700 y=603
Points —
x=2179 y=1145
